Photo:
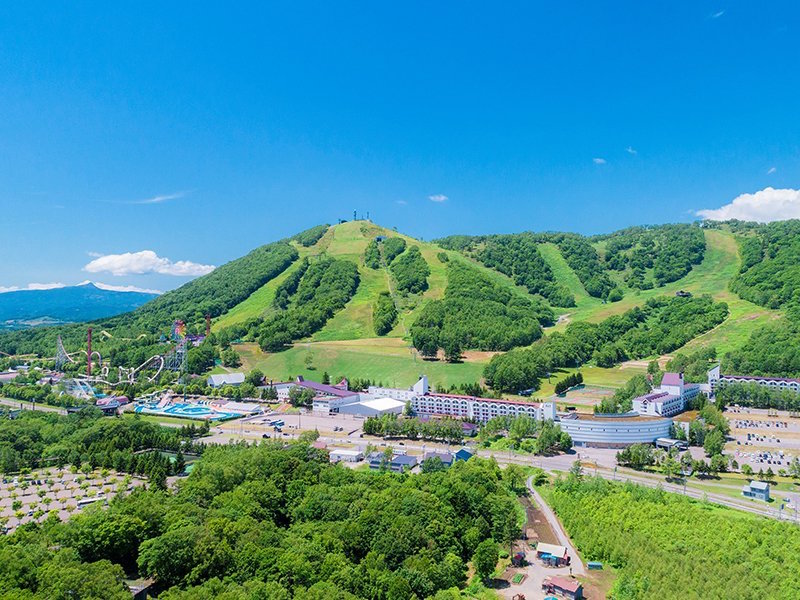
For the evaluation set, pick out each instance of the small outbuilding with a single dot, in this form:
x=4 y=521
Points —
x=344 y=455
x=446 y=458
x=563 y=586
x=402 y=463
x=552 y=554
x=758 y=490
x=463 y=454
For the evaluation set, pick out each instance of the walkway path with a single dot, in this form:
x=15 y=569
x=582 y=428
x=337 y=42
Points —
x=555 y=525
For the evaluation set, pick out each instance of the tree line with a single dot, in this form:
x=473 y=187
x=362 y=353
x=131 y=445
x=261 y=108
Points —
x=477 y=313
x=665 y=252
x=37 y=439
x=389 y=426
x=410 y=271
x=663 y=324
x=311 y=236
x=384 y=314
x=324 y=288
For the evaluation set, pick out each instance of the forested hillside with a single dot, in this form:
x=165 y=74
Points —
x=643 y=257
x=476 y=313
x=770 y=271
x=310 y=298
x=662 y=325
x=652 y=256
x=272 y=522
x=210 y=294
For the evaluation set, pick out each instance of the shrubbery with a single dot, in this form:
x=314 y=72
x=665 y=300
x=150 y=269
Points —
x=384 y=314
x=662 y=325
x=641 y=533
x=411 y=271
x=568 y=382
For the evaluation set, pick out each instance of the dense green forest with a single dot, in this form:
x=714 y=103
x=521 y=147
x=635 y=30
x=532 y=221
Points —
x=384 y=314
x=499 y=252
x=662 y=325
x=584 y=260
x=411 y=271
x=669 y=250
x=277 y=523
x=476 y=313
x=648 y=256
x=311 y=236
x=288 y=287
x=36 y=439
x=770 y=271
x=668 y=546
x=324 y=288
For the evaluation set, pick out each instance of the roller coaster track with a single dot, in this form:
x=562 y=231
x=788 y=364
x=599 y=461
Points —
x=108 y=335
x=62 y=356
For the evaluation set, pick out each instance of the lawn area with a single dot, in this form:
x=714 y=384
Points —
x=564 y=274
x=159 y=419
x=386 y=360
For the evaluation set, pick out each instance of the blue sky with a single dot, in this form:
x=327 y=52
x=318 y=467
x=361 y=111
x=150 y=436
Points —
x=182 y=138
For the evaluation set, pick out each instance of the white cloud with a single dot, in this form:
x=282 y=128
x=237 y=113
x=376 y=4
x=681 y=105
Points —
x=763 y=206
x=771 y=170
x=717 y=14
x=437 y=198
x=159 y=199
x=145 y=261
x=599 y=161
x=401 y=202
x=631 y=150
x=31 y=286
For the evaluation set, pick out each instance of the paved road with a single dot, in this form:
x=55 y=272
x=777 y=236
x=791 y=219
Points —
x=555 y=525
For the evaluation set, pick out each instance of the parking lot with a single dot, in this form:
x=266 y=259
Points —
x=763 y=439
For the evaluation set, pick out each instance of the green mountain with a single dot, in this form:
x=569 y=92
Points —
x=361 y=300
x=84 y=302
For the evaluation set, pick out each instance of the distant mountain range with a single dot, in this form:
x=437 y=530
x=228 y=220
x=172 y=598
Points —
x=85 y=302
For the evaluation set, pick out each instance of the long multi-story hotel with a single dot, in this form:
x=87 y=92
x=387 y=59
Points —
x=427 y=403
x=715 y=379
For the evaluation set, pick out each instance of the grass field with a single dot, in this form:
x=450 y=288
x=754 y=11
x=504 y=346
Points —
x=386 y=360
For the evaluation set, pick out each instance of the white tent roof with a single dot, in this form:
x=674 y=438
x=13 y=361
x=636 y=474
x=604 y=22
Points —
x=381 y=404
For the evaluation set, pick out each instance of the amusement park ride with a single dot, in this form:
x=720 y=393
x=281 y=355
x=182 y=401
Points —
x=149 y=370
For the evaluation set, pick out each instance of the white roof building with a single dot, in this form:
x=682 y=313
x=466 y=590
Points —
x=374 y=408
x=217 y=381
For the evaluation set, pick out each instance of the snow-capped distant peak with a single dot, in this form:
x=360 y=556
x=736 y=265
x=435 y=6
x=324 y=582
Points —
x=119 y=288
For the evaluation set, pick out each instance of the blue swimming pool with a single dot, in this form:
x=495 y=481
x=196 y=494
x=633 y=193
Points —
x=186 y=410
